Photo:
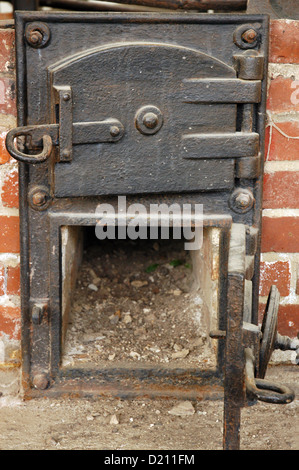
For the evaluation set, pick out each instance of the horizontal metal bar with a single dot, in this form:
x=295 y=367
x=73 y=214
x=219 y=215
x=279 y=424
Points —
x=77 y=5
x=200 y=5
x=217 y=90
x=228 y=145
x=134 y=382
x=110 y=130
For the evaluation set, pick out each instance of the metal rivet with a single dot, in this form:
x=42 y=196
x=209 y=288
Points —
x=150 y=120
x=114 y=131
x=40 y=381
x=66 y=97
x=66 y=154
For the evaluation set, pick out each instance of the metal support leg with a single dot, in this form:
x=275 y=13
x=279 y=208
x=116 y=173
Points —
x=234 y=387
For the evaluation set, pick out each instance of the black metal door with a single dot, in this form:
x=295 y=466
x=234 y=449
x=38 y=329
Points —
x=151 y=90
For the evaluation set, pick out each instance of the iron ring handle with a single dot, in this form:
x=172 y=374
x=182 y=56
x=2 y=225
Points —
x=264 y=390
x=22 y=157
x=269 y=392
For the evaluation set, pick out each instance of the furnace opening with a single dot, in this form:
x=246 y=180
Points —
x=141 y=301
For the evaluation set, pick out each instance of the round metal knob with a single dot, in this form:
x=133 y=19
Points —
x=149 y=120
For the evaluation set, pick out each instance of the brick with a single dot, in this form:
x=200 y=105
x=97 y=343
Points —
x=277 y=273
x=281 y=147
x=6 y=16
x=2 y=280
x=10 y=321
x=280 y=234
x=4 y=155
x=8 y=96
x=7 y=50
x=283 y=95
x=281 y=190
x=288 y=319
x=9 y=234
x=284 y=42
x=10 y=189
x=13 y=280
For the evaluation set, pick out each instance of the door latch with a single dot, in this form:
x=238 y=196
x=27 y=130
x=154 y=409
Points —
x=49 y=135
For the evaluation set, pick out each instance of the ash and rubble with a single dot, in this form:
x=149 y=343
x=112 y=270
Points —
x=135 y=301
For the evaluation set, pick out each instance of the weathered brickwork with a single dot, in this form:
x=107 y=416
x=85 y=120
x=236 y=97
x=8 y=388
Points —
x=280 y=239
x=9 y=216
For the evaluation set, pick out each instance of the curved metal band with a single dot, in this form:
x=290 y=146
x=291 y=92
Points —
x=269 y=392
x=264 y=390
x=22 y=157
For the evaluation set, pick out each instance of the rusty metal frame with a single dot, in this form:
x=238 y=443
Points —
x=228 y=380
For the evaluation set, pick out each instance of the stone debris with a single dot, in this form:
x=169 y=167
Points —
x=180 y=354
x=139 y=283
x=114 y=420
x=183 y=408
x=93 y=287
x=133 y=302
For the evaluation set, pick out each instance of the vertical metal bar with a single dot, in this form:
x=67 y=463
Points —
x=257 y=216
x=23 y=208
x=55 y=295
x=234 y=363
x=247 y=118
x=65 y=103
x=223 y=263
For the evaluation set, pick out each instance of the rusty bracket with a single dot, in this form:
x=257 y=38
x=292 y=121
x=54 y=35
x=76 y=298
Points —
x=64 y=98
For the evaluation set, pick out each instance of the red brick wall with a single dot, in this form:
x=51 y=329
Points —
x=280 y=242
x=280 y=238
x=9 y=217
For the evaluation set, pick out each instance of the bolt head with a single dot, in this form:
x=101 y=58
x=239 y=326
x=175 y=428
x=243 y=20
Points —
x=243 y=200
x=249 y=36
x=39 y=198
x=36 y=37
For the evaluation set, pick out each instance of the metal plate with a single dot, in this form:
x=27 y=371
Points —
x=147 y=159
